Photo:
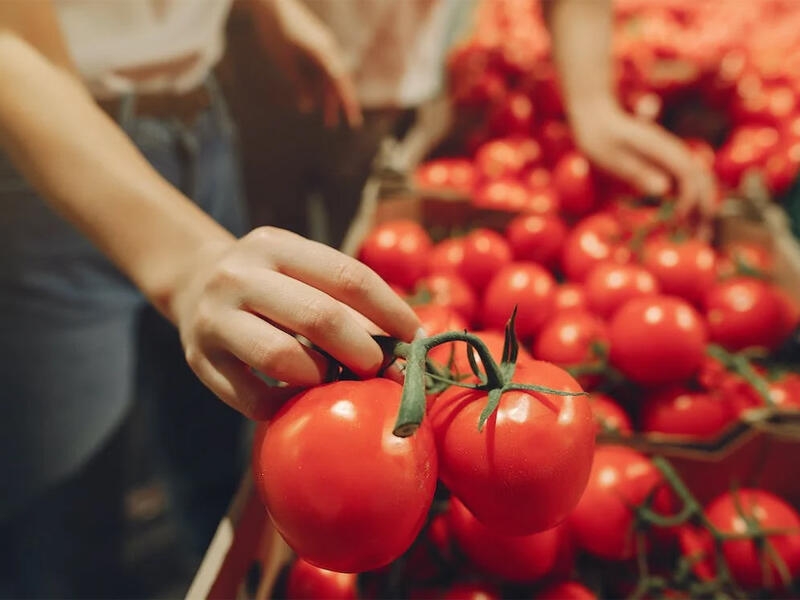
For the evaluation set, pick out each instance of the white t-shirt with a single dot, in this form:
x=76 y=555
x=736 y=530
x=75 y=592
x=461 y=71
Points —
x=122 y=46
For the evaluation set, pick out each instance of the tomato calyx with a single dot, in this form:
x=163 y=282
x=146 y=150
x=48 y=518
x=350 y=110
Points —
x=739 y=363
x=495 y=379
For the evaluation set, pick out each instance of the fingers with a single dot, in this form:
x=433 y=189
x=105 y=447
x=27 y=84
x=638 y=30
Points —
x=642 y=174
x=349 y=281
x=344 y=90
x=268 y=349
x=238 y=387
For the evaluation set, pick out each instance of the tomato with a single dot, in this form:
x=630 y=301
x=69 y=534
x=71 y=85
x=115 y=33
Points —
x=784 y=391
x=342 y=490
x=681 y=411
x=743 y=312
x=451 y=291
x=556 y=139
x=448 y=174
x=574 y=184
x=518 y=558
x=683 y=268
x=541 y=201
x=603 y=521
x=485 y=253
x=781 y=168
x=513 y=115
x=537 y=178
x=494 y=341
x=397 y=251
x=307 y=582
x=595 y=239
x=501 y=194
x=527 y=468
x=436 y=318
x=472 y=591
x=524 y=285
x=569 y=295
x=447 y=256
x=657 y=340
x=608 y=286
x=506 y=157
x=610 y=416
x=744 y=559
x=748 y=147
x=572 y=338
x=743 y=255
x=565 y=590
x=537 y=238
x=427 y=559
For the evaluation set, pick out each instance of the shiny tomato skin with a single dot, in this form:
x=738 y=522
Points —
x=603 y=521
x=436 y=318
x=494 y=341
x=526 y=470
x=657 y=340
x=574 y=184
x=504 y=157
x=446 y=257
x=569 y=295
x=565 y=590
x=451 y=291
x=447 y=174
x=743 y=312
x=513 y=115
x=397 y=251
x=517 y=558
x=609 y=414
x=742 y=556
x=537 y=238
x=343 y=491
x=485 y=253
x=307 y=582
x=683 y=268
x=682 y=412
x=526 y=285
x=505 y=194
x=568 y=337
x=595 y=239
x=609 y=285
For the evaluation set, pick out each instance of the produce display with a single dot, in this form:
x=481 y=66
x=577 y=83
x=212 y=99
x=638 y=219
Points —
x=569 y=337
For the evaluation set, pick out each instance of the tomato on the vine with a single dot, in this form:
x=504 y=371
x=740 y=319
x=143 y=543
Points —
x=657 y=339
x=684 y=412
x=307 y=582
x=397 y=251
x=343 y=491
x=610 y=416
x=528 y=466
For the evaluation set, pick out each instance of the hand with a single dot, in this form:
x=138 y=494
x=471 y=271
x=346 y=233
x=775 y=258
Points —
x=243 y=303
x=308 y=55
x=645 y=155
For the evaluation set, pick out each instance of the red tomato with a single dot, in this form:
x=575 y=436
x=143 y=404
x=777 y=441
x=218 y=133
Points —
x=451 y=291
x=743 y=312
x=748 y=147
x=603 y=521
x=681 y=411
x=610 y=415
x=501 y=194
x=608 y=286
x=485 y=253
x=785 y=391
x=685 y=268
x=657 y=340
x=513 y=115
x=595 y=239
x=743 y=255
x=744 y=558
x=566 y=590
x=343 y=491
x=569 y=295
x=574 y=184
x=436 y=318
x=449 y=174
x=537 y=238
x=447 y=256
x=506 y=157
x=569 y=338
x=556 y=140
x=472 y=591
x=537 y=178
x=397 y=251
x=307 y=582
x=781 y=168
x=512 y=491
x=542 y=201
x=524 y=285
x=494 y=341
x=427 y=559
x=519 y=558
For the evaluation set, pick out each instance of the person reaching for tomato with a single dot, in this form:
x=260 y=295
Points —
x=636 y=150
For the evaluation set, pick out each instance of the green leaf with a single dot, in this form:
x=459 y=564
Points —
x=491 y=406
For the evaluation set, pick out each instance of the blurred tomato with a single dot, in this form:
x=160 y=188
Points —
x=565 y=590
x=610 y=416
x=307 y=582
x=574 y=184
x=447 y=256
x=502 y=194
x=595 y=239
x=485 y=253
x=685 y=268
x=556 y=140
x=513 y=115
x=525 y=285
x=537 y=238
x=506 y=157
x=451 y=291
x=569 y=295
x=472 y=591
x=684 y=412
x=397 y=251
x=449 y=174
x=608 y=286
x=571 y=338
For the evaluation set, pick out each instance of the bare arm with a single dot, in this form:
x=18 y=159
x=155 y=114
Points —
x=234 y=301
x=637 y=151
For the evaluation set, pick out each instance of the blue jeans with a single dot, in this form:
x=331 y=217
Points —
x=78 y=342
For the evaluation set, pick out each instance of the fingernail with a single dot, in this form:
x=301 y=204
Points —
x=421 y=333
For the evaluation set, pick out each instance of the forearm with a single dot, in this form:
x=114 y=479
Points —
x=581 y=40
x=91 y=173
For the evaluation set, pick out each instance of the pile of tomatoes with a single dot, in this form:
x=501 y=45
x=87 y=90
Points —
x=724 y=75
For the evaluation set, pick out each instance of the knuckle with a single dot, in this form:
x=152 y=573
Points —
x=353 y=279
x=226 y=276
x=274 y=358
x=320 y=318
